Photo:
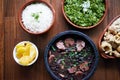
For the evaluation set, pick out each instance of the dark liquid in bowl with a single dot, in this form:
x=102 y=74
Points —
x=71 y=59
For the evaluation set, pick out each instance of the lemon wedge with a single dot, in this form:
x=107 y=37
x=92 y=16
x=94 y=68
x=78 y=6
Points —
x=20 y=51
x=25 y=60
x=26 y=53
x=20 y=45
x=32 y=52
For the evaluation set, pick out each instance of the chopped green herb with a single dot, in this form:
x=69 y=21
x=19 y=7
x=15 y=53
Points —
x=84 y=12
x=71 y=79
x=56 y=59
x=36 y=15
x=33 y=14
x=53 y=48
x=63 y=62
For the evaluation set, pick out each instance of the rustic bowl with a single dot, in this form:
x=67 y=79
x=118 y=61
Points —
x=102 y=53
x=85 y=27
x=76 y=34
x=32 y=2
x=16 y=59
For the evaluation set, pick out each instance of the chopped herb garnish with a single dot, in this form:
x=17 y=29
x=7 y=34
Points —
x=53 y=48
x=56 y=59
x=36 y=15
x=84 y=12
x=63 y=62
x=71 y=79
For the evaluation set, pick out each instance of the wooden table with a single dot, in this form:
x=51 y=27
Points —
x=11 y=34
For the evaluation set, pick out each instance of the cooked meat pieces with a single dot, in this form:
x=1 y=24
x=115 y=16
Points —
x=60 y=45
x=80 y=45
x=84 y=66
x=51 y=57
x=62 y=66
x=72 y=69
x=69 y=42
x=78 y=73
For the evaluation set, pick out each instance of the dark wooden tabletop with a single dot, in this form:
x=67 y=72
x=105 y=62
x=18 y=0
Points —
x=11 y=33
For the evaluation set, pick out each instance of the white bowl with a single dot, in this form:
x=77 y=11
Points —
x=17 y=60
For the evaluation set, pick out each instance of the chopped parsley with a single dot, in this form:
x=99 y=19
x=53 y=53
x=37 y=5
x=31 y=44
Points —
x=36 y=15
x=84 y=12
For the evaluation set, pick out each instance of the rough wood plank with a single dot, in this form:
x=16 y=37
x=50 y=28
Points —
x=2 y=51
x=2 y=40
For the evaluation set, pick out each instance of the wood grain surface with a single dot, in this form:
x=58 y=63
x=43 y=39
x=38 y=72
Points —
x=11 y=33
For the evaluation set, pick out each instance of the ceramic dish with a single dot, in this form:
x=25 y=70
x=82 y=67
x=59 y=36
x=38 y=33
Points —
x=108 y=41
x=25 y=53
x=36 y=17
x=73 y=45
x=80 y=14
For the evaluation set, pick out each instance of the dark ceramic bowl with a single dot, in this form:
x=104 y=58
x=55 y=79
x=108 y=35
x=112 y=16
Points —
x=77 y=35
x=33 y=2
x=84 y=27
x=102 y=53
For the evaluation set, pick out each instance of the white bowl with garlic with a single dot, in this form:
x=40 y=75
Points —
x=25 y=53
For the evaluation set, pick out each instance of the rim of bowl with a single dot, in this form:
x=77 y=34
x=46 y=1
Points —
x=100 y=39
x=28 y=3
x=14 y=53
x=88 y=27
x=74 y=33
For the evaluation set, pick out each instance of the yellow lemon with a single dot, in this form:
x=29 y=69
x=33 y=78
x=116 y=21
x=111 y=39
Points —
x=20 y=51
x=25 y=60
x=27 y=53
x=32 y=52
x=20 y=45
x=19 y=55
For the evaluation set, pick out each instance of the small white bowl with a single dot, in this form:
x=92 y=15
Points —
x=17 y=60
